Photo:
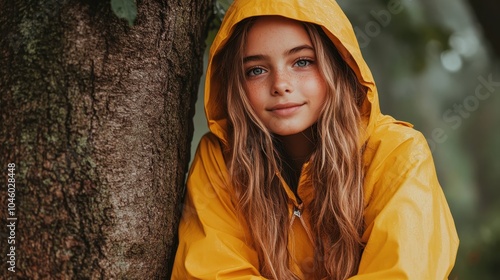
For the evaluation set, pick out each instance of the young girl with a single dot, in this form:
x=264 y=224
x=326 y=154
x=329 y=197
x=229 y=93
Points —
x=301 y=176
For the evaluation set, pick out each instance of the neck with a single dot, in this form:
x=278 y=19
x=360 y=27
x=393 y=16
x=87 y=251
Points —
x=298 y=147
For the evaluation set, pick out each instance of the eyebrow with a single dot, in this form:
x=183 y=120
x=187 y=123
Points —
x=291 y=51
x=299 y=48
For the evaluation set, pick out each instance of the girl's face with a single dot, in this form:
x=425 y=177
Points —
x=282 y=78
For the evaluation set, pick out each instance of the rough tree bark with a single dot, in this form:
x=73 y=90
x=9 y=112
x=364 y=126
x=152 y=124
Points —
x=97 y=118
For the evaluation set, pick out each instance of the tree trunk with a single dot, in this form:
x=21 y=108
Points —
x=95 y=129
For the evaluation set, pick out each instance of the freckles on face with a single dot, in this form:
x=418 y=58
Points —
x=282 y=80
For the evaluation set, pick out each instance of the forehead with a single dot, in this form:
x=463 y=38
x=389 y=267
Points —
x=275 y=32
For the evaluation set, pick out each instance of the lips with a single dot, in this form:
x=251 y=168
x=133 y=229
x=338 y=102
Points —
x=285 y=109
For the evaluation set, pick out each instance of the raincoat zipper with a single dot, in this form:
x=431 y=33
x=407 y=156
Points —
x=297 y=212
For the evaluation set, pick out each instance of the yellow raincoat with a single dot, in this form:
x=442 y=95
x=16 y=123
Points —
x=409 y=231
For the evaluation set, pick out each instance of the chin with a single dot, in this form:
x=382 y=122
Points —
x=288 y=132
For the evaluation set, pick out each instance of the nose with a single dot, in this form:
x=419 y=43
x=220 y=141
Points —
x=282 y=83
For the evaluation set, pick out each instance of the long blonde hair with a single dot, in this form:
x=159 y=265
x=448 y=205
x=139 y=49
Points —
x=336 y=167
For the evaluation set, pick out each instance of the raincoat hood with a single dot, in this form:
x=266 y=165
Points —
x=325 y=13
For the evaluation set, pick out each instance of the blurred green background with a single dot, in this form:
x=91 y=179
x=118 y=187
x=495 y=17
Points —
x=436 y=65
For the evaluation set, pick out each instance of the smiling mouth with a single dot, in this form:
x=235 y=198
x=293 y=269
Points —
x=286 y=109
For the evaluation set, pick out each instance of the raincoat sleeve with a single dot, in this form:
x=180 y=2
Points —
x=212 y=241
x=410 y=232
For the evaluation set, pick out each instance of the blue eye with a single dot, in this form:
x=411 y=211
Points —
x=303 y=63
x=255 y=71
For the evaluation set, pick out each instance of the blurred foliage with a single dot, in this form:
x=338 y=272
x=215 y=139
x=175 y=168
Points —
x=220 y=9
x=125 y=9
x=428 y=58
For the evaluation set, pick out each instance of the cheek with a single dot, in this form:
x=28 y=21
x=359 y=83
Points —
x=254 y=96
x=316 y=88
x=318 y=93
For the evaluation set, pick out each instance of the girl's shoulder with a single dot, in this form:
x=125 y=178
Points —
x=210 y=140
x=211 y=150
x=396 y=147
x=208 y=172
x=394 y=136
